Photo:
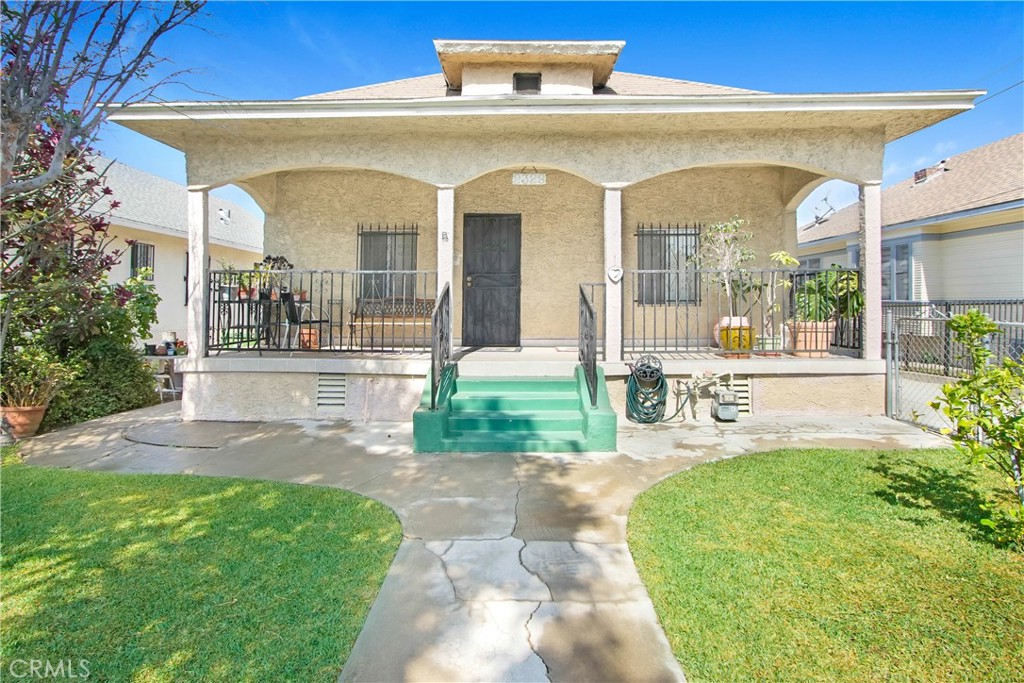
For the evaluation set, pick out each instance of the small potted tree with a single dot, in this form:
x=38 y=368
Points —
x=819 y=302
x=723 y=249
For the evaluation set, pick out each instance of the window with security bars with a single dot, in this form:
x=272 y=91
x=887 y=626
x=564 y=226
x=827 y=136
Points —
x=143 y=256
x=668 y=251
x=387 y=250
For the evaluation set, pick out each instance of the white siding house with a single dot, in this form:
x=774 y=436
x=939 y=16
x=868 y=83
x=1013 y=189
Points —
x=152 y=216
x=953 y=231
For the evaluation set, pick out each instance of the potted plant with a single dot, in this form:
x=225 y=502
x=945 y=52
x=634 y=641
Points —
x=271 y=279
x=31 y=378
x=723 y=248
x=771 y=339
x=820 y=301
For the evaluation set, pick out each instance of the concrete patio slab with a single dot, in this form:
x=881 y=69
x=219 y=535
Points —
x=513 y=567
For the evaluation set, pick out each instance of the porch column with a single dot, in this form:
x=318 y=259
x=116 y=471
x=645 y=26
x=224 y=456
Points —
x=445 y=235
x=198 y=266
x=613 y=271
x=871 y=267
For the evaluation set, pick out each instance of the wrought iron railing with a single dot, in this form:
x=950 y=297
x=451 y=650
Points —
x=441 y=342
x=749 y=310
x=588 y=343
x=596 y=291
x=320 y=310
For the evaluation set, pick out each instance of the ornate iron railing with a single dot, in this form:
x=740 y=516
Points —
x=588 y=343
x=320 y=310
x=686 y=309
x=441 y=342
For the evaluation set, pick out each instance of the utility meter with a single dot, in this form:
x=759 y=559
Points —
x=725 y=405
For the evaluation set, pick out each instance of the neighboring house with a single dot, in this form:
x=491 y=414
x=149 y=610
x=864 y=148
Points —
x=523 y=170
x=152 y=214
x=952 y=231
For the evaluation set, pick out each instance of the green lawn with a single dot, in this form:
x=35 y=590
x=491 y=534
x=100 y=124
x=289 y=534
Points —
x=178 y=578
x=831 y=565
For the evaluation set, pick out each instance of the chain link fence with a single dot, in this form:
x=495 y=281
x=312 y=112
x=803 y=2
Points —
x=921 y=356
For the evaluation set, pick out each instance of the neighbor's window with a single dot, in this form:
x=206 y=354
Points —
x=811 y=263
x=896 y=272
x=526 y=84
x=667 y=252
x=386 y=249
x=143 y=256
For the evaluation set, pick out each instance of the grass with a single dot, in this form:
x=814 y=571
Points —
x=161 y=578
x=831 y=565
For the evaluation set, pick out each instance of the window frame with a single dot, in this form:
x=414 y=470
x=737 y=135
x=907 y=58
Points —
x=657 y=289
x=891 y=277
x=143 y=255
x=400 y=247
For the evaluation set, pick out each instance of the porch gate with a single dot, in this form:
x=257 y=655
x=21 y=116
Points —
x=921 y=356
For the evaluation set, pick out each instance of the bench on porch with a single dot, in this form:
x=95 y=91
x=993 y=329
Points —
x=390 y=323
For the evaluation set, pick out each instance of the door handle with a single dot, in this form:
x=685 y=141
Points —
x=469 y=280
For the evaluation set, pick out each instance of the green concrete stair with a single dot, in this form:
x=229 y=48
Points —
x=515 y=414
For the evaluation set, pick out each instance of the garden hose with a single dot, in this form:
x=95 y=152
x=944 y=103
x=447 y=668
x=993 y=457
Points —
x=646 y=392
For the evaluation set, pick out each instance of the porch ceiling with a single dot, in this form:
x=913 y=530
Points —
x=187 y=125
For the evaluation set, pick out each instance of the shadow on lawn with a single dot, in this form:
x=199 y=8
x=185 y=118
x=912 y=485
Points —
x=953 y=494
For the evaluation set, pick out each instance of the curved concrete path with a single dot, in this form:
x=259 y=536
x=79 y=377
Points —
x=513 y=567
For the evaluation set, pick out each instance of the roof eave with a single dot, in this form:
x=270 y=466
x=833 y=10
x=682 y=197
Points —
x=539 y=104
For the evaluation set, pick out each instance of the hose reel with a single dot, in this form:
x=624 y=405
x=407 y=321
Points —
x=646 y=391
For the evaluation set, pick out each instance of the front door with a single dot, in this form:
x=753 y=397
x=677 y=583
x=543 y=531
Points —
x=490 y=283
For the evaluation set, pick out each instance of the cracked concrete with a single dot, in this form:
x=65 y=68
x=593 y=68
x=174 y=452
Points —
x=513 y=567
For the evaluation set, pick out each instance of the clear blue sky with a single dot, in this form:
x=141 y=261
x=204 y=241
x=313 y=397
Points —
x=282 y=50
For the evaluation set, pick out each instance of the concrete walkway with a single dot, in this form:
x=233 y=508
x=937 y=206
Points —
x=513 y=567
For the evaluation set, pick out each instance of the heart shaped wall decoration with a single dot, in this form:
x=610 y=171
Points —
x=615 y=274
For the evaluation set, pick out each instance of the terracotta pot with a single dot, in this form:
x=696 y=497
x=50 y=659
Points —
x=23 y=422
x=811 y=339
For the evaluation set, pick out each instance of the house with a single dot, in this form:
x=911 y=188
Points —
x=150 y=227
x=528 y=186
x=953 y=231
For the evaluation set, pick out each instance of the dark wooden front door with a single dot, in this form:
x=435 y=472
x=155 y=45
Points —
x=490 y=283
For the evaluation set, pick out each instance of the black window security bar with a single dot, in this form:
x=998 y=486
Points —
x=385 y=249
x=143 y=256
x=665 y=252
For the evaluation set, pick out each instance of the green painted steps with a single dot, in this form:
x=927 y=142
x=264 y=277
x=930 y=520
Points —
x=512 y=414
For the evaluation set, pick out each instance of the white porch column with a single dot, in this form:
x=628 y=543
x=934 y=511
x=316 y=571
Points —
x=198 y=267
x=871 y=267
x=613 y=271
x=445 y=235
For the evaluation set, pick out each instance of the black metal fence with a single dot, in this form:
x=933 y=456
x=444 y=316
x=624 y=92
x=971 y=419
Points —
x=320 y=310
x=441 y=342
x=749 y=310
x=596 y=292
x=588 y=342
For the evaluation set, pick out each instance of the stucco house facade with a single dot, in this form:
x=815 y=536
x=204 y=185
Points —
x=953 y=231
x=149 y=226
x=521 y=171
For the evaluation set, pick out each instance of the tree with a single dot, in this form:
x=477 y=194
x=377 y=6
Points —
x=986 y=408
x=62 y=62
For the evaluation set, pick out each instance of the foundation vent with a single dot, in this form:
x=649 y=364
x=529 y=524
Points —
x=741 y=385
x=330 y=392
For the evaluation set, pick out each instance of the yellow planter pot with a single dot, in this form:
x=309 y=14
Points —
x=739 y=338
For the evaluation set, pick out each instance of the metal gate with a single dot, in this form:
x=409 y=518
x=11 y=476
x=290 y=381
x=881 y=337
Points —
x=921 y=356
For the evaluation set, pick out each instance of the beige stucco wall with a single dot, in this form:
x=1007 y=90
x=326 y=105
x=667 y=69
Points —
x=704 y=196
x=266 y=396
x=838 y=395
x=169 y=272
x=315 y=221
x=555 y=79
x=562 y=245
x=604 y=150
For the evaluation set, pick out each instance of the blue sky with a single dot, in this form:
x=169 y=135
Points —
x=282 y=50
